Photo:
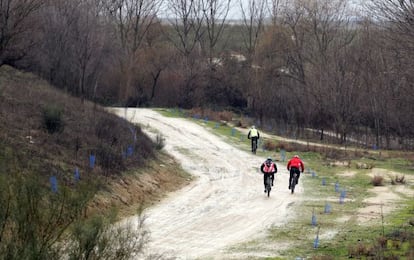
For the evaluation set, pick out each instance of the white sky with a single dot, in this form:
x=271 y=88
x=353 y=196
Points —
x=235 y=12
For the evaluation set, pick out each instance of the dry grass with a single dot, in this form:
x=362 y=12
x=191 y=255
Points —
x=27 y=146
x=205 y=113
x=87 y=129
x=398 y=180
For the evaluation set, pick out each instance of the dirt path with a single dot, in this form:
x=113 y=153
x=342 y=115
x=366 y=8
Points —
x=225 y=205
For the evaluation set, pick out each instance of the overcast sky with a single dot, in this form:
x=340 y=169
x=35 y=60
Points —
x=235 y=12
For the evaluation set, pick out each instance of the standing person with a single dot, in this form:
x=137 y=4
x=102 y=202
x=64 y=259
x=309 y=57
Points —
x=268 y=167
x=295 y=165
x=254 y=136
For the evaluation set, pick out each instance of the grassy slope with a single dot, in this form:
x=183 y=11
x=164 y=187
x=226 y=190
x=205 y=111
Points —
x=26 y=146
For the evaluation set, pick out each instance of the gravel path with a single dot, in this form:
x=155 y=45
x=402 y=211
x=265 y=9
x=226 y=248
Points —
x=224 y=206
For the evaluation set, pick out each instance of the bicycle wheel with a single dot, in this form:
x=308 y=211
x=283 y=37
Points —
x=268 y=185
x=293 y=183
x=254 y=146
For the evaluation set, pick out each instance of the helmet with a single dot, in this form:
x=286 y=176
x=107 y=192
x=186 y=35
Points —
x=253 y=127
x=296 y=156
x=268 y=160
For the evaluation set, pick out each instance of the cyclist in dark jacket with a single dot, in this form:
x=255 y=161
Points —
x=295 y=165
x=268 y=167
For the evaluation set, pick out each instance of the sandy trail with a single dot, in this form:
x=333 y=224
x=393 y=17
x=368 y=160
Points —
x=225 y=205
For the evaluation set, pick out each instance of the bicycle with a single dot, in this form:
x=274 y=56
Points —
x=268 y=184
x=254 y=145
x=293 y=182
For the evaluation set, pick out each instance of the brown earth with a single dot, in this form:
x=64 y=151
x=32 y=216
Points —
x=141 y=188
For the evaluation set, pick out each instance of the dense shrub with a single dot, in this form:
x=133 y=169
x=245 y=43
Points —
x=398 y=180
x=109 y=158
x=270 y=145
x=52 y=119
x=377 y=180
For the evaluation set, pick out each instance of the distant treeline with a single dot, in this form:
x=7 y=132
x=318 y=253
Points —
x=297 y=64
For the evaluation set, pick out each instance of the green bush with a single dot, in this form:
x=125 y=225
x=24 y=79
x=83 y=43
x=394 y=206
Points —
x=52 y=119
x=35 y=222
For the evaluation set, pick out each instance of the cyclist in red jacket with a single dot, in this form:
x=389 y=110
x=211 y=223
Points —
x=295 y=165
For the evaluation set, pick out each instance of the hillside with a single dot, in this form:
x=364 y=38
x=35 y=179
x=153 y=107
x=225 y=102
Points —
x=45 y=133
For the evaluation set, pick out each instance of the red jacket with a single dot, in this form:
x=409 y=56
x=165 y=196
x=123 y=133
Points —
x=297 y=163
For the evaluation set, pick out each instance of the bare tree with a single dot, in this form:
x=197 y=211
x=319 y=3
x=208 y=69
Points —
x=187 y=23
x=330 y=35
x=133 y=19
x=18 y=22
x=74 y=37
x=253 y=15
x=275 y=8
x=396 y=19
x=253 y=22
x=89 y=39
x=215 y=15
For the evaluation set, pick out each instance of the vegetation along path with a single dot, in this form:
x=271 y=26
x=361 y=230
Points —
x=221 y=213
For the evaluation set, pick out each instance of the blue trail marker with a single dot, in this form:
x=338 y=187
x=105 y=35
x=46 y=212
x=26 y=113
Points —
x=327 y=208
x=76 y=175
x=53 y=184
x=91 y=161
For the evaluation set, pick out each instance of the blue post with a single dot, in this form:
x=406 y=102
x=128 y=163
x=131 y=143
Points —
x=283 y=155
x=342 y=197
x=336 y=187
x=206 y=119
x=217 y=125
x=313 y=174
x=313 y=220
x=233 y=132
x=323 y=181
x=130 y=150
x=53 y=184
x=77 y=175
x=91 y=161
x=316 y=242
x=327 y=208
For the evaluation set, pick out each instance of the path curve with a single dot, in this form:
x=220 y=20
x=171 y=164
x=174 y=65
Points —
x=224 y=206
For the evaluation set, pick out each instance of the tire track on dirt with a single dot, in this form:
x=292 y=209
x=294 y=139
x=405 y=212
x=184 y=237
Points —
x=224 y=206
